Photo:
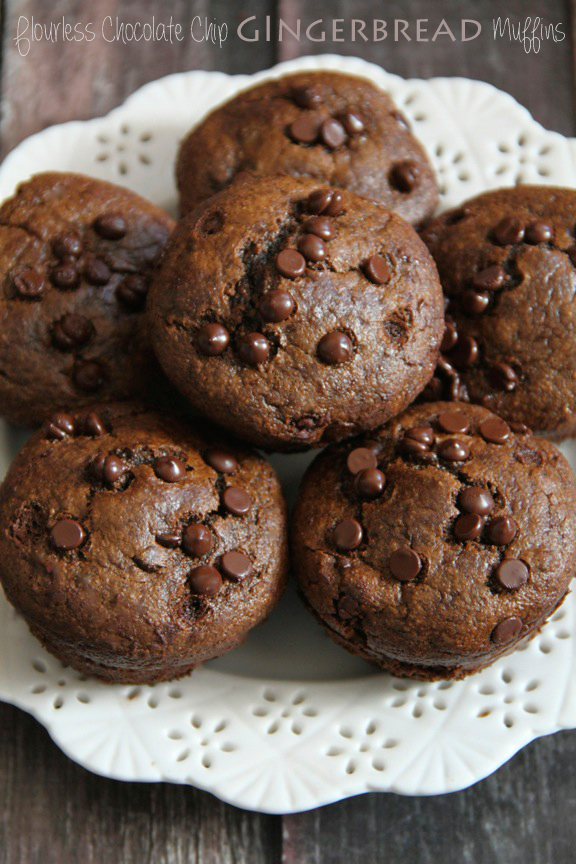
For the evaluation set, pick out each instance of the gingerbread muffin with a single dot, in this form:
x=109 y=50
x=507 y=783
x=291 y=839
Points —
x=437 y=543
x=336 y=128
x=507 y=262
x=295 y=314
x=136 y=546
x=76 y=257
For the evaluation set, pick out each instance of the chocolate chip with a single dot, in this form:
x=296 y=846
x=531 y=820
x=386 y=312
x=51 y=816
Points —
x=305 y=129
x=520 y=428
x=506 y=630
x=539 y=232
x=405 y=564
x=132 y=292
x=423 y=434
x=347 y=606
x=503 y=377
x=360 y=459
x=336 y=204
x=453 y=422
x=466 y=352
x=205 y=580
x=110 y=226
x=96 y=271
x=377 y=270
x=67 y=246
x=108 y=469
x=335 y=347
x=468 y=527
x=237 y=501
x=235 y=565
x=290 y=263
x=332 y=133
x=348 y=535
x=276 y=305
x=169 y=469
x=411 y=447
x=450 y=337
x=494 y=430
x=453 y=450
x=312 y=247
x=490 y=279
x=94 y=425
x=212 y=339
x=508 y=231
x=511 y=574
x=319 y=200
x=307 y=97
x=321 y=227
x=502 y=530
x=253 y=348
x=370 y=483
x=352 y=122
x=65 y=276
x=171 y=541
x=29 y=284
x=476 y=499
x=72 y=331
x=60 y=426
x=405 y=176
x=474 y=302
x=88 y=375
x=221 y=460
x=67 y=534
x=197 y=540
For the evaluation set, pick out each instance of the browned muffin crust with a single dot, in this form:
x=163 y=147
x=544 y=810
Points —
x=294 y=314
x=435 y=544
x=507 y=262
x=336 y=128
x=76 y=257
x=137 y=546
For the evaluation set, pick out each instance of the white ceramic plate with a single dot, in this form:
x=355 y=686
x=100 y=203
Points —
x=290 y=721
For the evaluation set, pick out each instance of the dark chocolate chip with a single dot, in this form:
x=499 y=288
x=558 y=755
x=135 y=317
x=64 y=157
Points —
x=276 y=305
x=411 y=447
x=88 y=375
x=511 y=574
x=424 y=434
x=348 y=535
x=352 y=122
x=169 y=469
x=360 y=459
x=377 y=270
x=67 y=534
x=503 y=377
x=474 y=302
x=65 y=276
x=494 y=430
x=453 y=450
x=253 y=348
x=466 y=352
x=108 y=469
x=335 y=347
x=539 y=232
x=370 y=483
x=332 y=133
x=321 y=226
x=171 y=541
x=94 y=425
x=476 y=499
x=60 y=426
x=312 y=247
x=508 y=231
x=468 y=527
x=507 y=630
x=212 y=339
x=29 y=284
x=236 y=565
x=96 y=271
x=520 y=428
x=319 y=200
x=197 y=540
x=290 y=263
x=335 y=205
x=72 y=332
x=307 y=97
x=453 y=422
x=405 y=564
x=132 y=291
x=490 y=279
x=236 y=501
x=502 y=530
x=450 y=337
x=67 y=246
x=405 y=176
x=205 y=580
x=221 y=460
x=305 y=129
x=110 y=226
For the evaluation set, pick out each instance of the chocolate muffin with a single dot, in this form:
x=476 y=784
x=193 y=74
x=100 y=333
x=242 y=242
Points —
x=294 y=314
x=338 y=129
x=507 y=262
x=437 y=543
x=136 y=546
x=76 y=257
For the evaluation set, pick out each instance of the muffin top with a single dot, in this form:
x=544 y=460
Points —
x=436 y=542
x=507 y=263
x=76 y=257
x=294 y=313
x=336 y=128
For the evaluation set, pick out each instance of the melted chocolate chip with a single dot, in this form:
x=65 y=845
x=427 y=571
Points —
x=511 y=574
x=236 y=565
x=29 y=284
x=335 y=347
x=171 y=541
x=236 y=501
x=212 y=339
x=60 y=426
x=502 y=530
x=110 y=226
x=65 y=276
x=132 y=292
x=305 y=129
x=494 y=430
x=221 y=460
x=312 y=247
x=476 y=499
x=205 y=580
x=276 y=305
x=503 y=377
x=332 y=133
x=370 y=483
x=507 y=630
x=360 y=459
x=88 y=375
x=348 y=535
x=405 y=564
x=405 y=176
x=468 y=527
x=169 y=469
x=72 y=332
x=197 y=540
x=321 y=227
x=96 y=271
x=453 y=422
x=253 y=348
x=377 y=270
x=508 y=231
x=67 y=534
x=67 y=246
x=290 y=263
x=453 y=450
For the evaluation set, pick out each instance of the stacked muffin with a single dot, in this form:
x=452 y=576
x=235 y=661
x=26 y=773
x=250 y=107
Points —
x=293 y=305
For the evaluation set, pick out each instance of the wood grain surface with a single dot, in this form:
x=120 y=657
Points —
x=54 y=812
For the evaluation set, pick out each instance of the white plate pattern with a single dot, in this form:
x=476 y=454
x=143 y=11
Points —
x=289 y=721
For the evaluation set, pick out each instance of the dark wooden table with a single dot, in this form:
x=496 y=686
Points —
x=52 y=811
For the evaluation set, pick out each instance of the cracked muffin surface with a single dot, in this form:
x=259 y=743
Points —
x=294 y=313
x=136 y=546
x=435 y=544
x=338 y=129
x=76 y=258
x=507 y=263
